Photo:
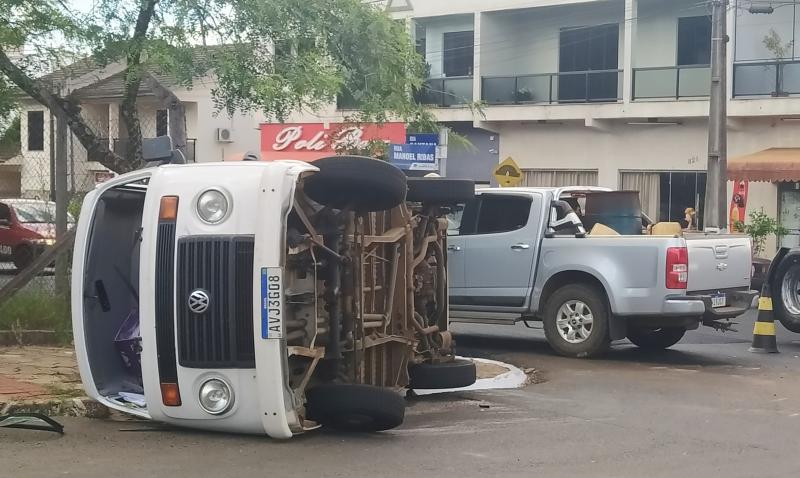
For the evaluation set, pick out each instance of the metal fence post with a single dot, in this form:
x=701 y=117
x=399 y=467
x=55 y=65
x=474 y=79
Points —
x=62 y=202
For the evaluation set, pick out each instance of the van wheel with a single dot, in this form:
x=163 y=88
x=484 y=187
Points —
x=356 y=182
x=655 y=338
x=22 y=257
x=355 y=407
x=440 y=190
x=786 y=294
x=437 y=376
x=576 y=321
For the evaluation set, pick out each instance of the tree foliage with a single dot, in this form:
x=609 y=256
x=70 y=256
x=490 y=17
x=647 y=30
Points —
x=275 y=57
x=759 y=228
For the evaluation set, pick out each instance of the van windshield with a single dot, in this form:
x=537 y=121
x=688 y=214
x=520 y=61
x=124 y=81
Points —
x=37 y=213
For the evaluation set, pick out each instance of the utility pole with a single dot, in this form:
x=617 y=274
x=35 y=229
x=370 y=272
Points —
x=62 y=201
x=717 y=176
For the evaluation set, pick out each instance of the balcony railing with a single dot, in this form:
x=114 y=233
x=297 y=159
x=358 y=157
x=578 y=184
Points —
x=768 y=78
x=120 y=145
x=444 y=92
x=673 y=82
x=596 y=86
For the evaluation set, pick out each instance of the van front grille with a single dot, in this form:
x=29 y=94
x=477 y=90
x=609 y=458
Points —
x=221 y=269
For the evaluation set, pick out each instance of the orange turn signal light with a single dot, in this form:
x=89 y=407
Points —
x=169 y=209
x=170 y=395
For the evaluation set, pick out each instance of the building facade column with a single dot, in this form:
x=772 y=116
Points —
x=631 y=14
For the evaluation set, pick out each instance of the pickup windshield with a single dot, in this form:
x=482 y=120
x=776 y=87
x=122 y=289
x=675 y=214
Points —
x=37 y=213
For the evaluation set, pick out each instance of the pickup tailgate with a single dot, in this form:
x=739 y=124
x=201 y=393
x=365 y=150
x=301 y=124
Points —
x=718 y=262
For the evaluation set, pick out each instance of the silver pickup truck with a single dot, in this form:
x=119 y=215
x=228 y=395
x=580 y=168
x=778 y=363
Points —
x=523 y=254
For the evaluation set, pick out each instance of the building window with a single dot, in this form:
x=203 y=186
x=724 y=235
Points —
x=694 y=40
x=552 y=178
x=162 y=123
x=502 y=213
x=586 y=50
x=459 y=53
x=35 y=130
x=665 y=195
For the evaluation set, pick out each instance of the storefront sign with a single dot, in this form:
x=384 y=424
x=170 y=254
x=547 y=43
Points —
x=414 y=157
x=103 y=176
x=423 y=138
x=310 y=141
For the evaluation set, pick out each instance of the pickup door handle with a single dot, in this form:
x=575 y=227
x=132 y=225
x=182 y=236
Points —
x=520 y=247
x=454 y=248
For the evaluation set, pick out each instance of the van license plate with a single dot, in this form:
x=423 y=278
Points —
x=271 y=303
x=718 y=300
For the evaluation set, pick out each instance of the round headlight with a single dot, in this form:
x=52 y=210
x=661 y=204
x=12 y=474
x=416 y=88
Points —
x=212 y=206
x=216 y=396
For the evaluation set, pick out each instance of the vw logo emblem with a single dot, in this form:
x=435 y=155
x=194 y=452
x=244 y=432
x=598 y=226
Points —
x=199 y=301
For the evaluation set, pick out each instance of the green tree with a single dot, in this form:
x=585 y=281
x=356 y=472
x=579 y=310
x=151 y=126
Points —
x=272 y=56
x=759 y=228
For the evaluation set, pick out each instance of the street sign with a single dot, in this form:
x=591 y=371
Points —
x=414 y=157
x=423 y=138
x=508 y=173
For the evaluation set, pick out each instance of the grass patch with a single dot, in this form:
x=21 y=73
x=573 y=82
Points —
x=60 y=391
x=37 y=310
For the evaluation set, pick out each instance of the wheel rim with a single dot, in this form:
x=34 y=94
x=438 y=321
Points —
x=575 y=321
x=790 y=290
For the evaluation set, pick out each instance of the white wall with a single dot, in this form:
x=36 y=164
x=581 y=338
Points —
x=752 y=28
x=628 y=147
x=656 y=41
x=435 y=28
x=527 y=41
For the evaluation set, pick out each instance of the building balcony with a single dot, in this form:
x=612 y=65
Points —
x=776 y=78
x=596 y=86
x=119 y=146
x=671 y=82
x=446 y=92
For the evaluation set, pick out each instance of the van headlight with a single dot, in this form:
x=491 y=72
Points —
x=213 y=206
x=216 y=396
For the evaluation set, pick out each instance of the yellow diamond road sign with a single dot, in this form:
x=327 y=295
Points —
x=508 y=173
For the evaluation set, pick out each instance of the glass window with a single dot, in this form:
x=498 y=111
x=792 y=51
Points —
x=588 y=49
x=5 y=212
x=35 y=130
x=34 y=212
x=459 y=53
x=502 y=213
x=694 y=40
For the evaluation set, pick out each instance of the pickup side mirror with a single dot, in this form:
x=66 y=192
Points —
x=564 y=220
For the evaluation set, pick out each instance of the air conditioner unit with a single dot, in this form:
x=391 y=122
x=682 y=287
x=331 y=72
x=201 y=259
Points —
x=225 y=135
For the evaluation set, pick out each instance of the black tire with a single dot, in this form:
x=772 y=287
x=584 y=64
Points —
x=22 y=257
x=440 y=190
x=597 y=340
x=355 y=407
x=437 y=376
x=655 y=338
x=791 y=321
x=358 y=183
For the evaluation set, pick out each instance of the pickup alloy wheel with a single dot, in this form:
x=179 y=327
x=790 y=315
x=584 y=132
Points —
x=576 y=321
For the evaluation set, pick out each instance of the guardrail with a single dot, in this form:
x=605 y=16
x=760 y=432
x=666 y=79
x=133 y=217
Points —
x=593 y=86
x=445 y=92
x=672 y=82
x=767 y=78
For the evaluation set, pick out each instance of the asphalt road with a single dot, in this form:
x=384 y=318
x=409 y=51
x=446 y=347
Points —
x=706 y=408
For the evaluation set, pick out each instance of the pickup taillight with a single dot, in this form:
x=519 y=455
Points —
x=677 y=267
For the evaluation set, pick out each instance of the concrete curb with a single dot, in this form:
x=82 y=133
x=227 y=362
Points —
x=57 y=407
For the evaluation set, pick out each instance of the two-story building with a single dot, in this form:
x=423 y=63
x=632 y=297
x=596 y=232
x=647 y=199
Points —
x=615 y=92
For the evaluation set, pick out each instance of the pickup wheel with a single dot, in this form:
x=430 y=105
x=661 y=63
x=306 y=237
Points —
x=576 y=321
x=786 y=293
x=438 y=376
x=440 y=191
x=655 y=338
x=355 y=407
x=355 y=182
x=22 y=257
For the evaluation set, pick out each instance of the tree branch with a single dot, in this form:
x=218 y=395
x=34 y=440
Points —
x=133 y=80
x=95 y=148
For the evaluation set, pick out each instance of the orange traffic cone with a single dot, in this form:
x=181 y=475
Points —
x=764 y=340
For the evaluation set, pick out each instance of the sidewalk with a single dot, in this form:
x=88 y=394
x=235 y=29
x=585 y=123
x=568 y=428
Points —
x=42 y=379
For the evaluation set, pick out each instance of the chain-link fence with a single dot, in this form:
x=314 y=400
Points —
x=31 y=203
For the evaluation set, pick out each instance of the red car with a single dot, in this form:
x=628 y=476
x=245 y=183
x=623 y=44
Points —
x=27 y=226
